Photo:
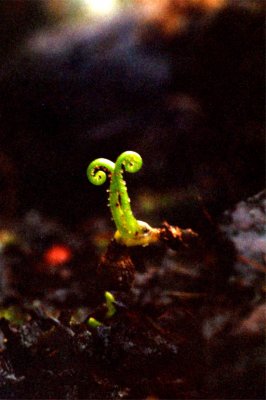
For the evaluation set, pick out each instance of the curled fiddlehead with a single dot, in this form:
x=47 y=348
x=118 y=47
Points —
x=130 y=231
x=97 y=170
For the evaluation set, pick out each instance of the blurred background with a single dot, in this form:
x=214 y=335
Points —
x=180 y=81
x=21 y=18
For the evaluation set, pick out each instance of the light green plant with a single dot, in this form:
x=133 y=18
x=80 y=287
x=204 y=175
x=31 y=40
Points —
x=94 y=323
x=111 y=310
x=110 y=300
x=130 y=231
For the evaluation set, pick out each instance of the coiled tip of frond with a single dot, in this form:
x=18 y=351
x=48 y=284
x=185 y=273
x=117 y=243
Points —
x=98 y=169
x=131 y=161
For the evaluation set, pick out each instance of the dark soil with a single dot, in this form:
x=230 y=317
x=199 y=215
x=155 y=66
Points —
x=189 y=323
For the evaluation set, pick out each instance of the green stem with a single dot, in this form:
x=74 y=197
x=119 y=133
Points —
x=123 y=216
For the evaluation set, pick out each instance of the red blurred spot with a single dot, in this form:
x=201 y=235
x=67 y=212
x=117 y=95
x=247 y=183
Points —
x=57 y=255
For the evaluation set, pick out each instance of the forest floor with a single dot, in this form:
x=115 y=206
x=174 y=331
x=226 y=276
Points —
x=187 y=319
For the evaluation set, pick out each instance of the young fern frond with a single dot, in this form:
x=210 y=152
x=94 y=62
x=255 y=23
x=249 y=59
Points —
x=130 y=231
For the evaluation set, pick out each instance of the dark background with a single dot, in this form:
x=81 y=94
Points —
x=183 y=86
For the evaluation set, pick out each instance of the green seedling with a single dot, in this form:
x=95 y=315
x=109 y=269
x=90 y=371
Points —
x=110 y=300
x=130 y=231
x=93 y=323
x=111 y=310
